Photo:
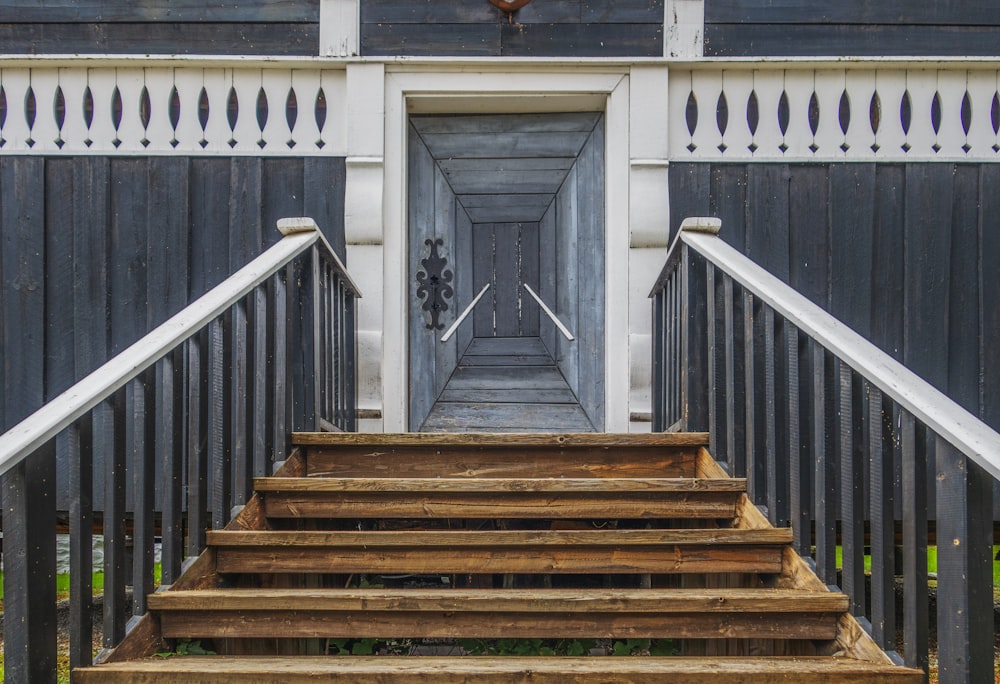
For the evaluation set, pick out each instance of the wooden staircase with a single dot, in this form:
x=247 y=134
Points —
x=429 y=543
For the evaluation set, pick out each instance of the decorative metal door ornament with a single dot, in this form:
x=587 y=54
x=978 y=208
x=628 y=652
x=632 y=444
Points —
x=434 y=288
x=510 y=5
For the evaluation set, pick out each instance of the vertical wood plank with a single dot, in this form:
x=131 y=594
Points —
x=728 y=201
x=215 y=427
x=776 y=419
x=852 y=488
x=143 y=466
x=809 y=233
x=115 y=607
x=80 y=456
x=170 y=457
x=964 y=332
x=883 y=518
x=324 y=183
x=260 y=443
x=528 y=264
x=239 y=424
x=735 y=456
x=278 y=326
x=420 y=225
x=465 y=281
x=768 y=217
x=887 y=279
x=688 y=197
x=965 y=559
x=852 y=208
x=445 y=211
x=915 y=610
x=712 y=361
x=568 y=276
x=482 y=254
x=506 y=296
x=196 y=453
x=29 y=489
x=209 y=204
x=800 y=470
x=824 y=474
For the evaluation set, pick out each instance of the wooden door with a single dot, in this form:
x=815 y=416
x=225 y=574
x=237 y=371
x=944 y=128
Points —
x=506 y=201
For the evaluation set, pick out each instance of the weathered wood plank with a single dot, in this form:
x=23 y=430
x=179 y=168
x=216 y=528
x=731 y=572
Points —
x=511 y=505
x=810 y=235
x=519 y=360
x=903 y=12
x=399 y=441
x=429 y=539
x=497 y=485
x=524 y=417
x=479 y=40
x=486 y=624
x=735 y=39
x=582 y=40
x=503 y=377
x=544 y=601
x=169 y=11
x=505 y=396
x=532 y=559
x=498 y=670
x=199 y=38
x=425 y=11
x=852 y=210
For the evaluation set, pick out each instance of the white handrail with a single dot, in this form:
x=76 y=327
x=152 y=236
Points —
x=940 y=413
x=562 y=328
x=458 y=321
x=45 y=423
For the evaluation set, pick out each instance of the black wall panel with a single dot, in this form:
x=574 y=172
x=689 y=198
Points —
x=252 y=27
x=96 y=251
x=904 y=253
x=851 y=27
x=546 y=28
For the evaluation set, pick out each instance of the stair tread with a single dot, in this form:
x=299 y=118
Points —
x=504 y=440
x=542 y=601
x=498 y=485
x=494 y=538
x=497 y=670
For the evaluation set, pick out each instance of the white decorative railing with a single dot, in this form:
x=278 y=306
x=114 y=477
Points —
x=168 y=110
x=834 y=114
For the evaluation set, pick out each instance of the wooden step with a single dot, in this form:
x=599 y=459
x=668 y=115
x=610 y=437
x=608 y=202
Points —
x=496 y=670
x=499 y=613
x=608 y=551
x=509 y=455
x=495 y=498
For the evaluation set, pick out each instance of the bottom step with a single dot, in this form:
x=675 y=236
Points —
x=493 y=670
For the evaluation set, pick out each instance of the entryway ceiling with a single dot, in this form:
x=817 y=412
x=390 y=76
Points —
x=505 y=168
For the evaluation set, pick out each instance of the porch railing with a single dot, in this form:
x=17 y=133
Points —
x=173 y=430
x=838 y=440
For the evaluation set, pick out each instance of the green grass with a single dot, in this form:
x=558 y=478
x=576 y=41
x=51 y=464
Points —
x=931 y=563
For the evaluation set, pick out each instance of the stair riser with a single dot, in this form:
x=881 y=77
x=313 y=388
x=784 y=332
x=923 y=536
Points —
x=528 y=462
x=497 y=506
x=508 y=560
x=457 y=625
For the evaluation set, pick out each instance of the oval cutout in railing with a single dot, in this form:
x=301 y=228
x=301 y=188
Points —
x=29 y=107
x=936 y=112
x=291 y=112
x=753 y=112
x=722 y=113
x=144 y=107
x=844 y=112
x=232 y=108
x=174 y=108
x=59 y=108
x=319 y=112
x=905 y=111
x=814 y=113
x=691 y=113
x=966 y=112
x=116 y=108
x=3 y=106
x=783 y=113
x=261 y=109
x=995 y=113
x=203 y=108
x=88 y=106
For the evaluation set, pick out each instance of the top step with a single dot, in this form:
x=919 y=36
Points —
x=484 y=455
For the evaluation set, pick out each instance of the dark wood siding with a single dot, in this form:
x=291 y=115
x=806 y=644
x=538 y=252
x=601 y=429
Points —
x=851 y=27
x=258 y=27
x=96 y=251
x=549 y=28
x=903 y=253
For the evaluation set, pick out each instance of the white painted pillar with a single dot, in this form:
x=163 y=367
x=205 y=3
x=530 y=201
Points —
x=339 y=28
x=648 y=223
x=684 y=28
x=363 y=227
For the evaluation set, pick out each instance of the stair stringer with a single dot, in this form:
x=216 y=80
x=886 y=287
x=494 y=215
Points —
x=145 y=637
x=852 y=640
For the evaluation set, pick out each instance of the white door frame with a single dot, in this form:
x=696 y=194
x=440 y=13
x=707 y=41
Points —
x=495 y=89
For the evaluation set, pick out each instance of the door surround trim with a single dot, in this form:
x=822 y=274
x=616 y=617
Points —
x=528 y=90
